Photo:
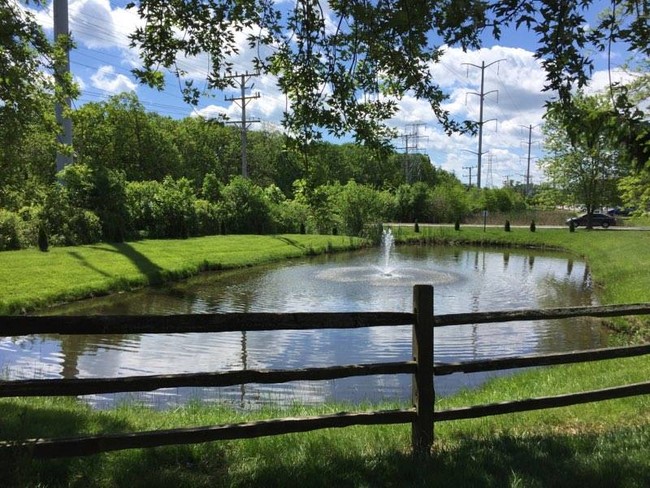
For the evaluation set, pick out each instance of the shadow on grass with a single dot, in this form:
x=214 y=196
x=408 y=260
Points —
x=151 y=270
x=84 y=262
x=291 y=242
x=22 y=422
x=606 y=460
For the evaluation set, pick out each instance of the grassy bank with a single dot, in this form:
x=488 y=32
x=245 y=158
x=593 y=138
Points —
x=601 y=444
x=30 y=279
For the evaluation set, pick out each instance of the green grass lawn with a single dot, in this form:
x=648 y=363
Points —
x=30 y=279
x=601 y=444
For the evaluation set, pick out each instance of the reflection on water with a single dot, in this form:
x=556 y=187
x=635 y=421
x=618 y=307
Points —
x=464 y=280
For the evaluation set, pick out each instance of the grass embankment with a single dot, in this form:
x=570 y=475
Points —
x=30 y=279
x=601 y=444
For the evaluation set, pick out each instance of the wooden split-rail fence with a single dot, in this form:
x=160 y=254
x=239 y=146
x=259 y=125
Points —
x=421 y=415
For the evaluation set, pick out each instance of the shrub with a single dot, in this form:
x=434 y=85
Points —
x=102 y=191
x=43 y=243
x=84 y=227
x=10 y=224
x=246 y=209
x=207 y=218
x=161 y=210
x=360 y=208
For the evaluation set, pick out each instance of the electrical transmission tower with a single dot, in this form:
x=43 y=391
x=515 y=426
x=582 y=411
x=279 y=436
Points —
x=530 y=143
x=243 y=100
x=490 y=179
x=482 y=94
x=411 y=138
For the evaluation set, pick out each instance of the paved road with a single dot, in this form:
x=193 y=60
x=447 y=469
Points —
x=500 y=226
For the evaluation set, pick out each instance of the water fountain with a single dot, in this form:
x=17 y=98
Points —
x=389 y=271
x=387 y=244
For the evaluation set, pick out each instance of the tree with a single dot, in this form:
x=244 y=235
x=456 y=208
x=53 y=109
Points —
x=584 y=158
x=29 y=80
x=119 y=134
x=344 y=64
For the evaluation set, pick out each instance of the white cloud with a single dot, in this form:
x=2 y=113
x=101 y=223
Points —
x=516 y=102
x=105 y=79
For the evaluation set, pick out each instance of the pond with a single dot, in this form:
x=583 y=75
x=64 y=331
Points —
x=464 y=280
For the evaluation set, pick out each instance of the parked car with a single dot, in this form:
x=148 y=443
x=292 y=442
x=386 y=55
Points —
x=596 y=220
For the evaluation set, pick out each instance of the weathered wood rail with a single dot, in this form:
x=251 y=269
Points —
x=421 y=416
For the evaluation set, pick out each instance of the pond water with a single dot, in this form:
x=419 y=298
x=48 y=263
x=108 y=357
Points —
x=464 y=280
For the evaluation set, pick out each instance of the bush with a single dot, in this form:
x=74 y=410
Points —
x=162 y=210
x=65 y=224
x=208 y=216
x=43 y=242
x=84 y=227
x=10 y=231
x=361 y=208
x=246 y=209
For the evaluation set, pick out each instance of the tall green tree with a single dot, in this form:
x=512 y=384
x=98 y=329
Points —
x=583 y=152
x=119 y=134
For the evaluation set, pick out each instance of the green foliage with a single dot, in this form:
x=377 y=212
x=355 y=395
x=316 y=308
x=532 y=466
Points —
x=450 y=202
x=413 y=202
x=501 y=200
x=584 y=155
x=162 y=209
x=102 y=191
x=10 y=231
x=212 y=188
x=246 y=208
x=208 y=217
x=120 y=135
x=66 y=224
x=635 y=191
x=360 y=208
x=43 y=242
x=322 y=71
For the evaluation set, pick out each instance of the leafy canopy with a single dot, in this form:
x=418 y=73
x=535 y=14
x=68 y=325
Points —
x=344 y=64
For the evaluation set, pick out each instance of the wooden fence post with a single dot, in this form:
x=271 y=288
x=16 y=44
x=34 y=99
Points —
x=423 y=392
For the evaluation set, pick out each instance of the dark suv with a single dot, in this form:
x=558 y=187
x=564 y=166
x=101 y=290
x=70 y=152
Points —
x=596 y=220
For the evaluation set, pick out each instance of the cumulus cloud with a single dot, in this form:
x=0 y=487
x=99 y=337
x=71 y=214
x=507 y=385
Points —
x=107 y=80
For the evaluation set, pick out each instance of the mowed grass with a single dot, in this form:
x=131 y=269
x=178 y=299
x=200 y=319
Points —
x=604 y=444
x=30 y=279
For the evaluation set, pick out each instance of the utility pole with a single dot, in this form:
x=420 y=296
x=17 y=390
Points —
x=530 y=143
x=481 y=96
x=63 y=120
x=244 y=123
x=469 y=168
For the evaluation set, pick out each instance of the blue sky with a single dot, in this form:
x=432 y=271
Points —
x=102 y=61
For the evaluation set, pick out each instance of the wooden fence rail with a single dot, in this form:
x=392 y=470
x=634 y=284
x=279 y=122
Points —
x=422 y=368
